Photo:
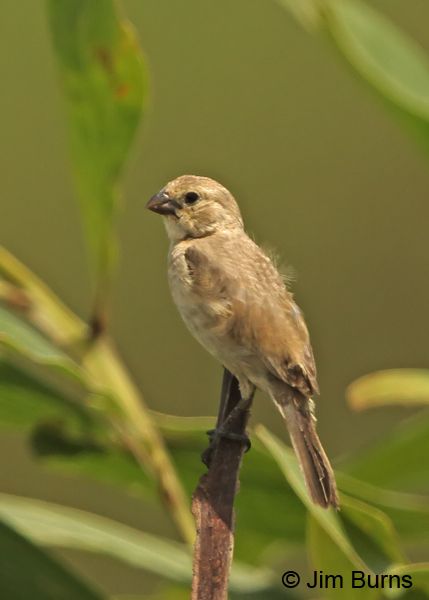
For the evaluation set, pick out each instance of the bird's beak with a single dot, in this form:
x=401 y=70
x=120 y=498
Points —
x=162 y=204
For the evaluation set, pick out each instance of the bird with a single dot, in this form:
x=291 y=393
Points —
x=234 y=301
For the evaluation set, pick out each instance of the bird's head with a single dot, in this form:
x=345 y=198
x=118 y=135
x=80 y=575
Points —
x=195 y=207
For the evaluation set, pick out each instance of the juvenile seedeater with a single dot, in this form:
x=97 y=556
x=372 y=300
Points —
x=234 y=301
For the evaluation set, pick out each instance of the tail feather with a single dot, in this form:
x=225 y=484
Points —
x=314 y=464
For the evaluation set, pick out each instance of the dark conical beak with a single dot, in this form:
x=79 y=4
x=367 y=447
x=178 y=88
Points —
x=162 y=204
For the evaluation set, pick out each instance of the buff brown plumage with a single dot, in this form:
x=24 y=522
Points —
x=234 y=301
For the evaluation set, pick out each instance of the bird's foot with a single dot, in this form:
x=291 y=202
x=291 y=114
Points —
x=216 y=435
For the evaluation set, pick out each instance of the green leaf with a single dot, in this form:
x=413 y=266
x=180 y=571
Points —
x=118 y=402
x=66 y=435
x=107 y=464
x=60 y=526
x=419 y=573
x=67 y=442
x=21 y=337
x=371 y=533
x=386 y=57
x=411 y=594
x=360 y=537
x=397 y=461
x=328 y=558
x=270 y=514
x=327 y=519
x=27 y=572
x=394 y=386
x=409 y=513
x=261 y=486
x=169 y=592
x=139 y=433
x=25 y=402
x=306 y=12
x=44 y=309
x=54 y=525
x=181 y=592
x=105 y=85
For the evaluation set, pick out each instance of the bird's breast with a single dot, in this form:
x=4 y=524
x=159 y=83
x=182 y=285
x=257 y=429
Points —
x=204 y=307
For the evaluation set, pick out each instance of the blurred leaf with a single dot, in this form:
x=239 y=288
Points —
x=80 y=438
x=44 y=308
x=24 y=402
x=399 y=460
x=114 y=395
x=419 y=573
x=269 y=511
x=371 y=533
x=394 y=386
x=359 y=537
x=183 y=593
x=413 y=594
x=329 y=558
x=60 y=526
x=27 y=572
x=66 y=435
x=386 y=57
x=109 y=465
x=306 y=12
x=139 y=433
x=54 y=525
x=327 y=519
x=409 y=513
x=105 y=84
x=169 y=592
x=22 y=338
x=273 y=593
x=188 y=425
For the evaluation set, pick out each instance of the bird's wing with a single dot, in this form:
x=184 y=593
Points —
x=262 y=315
x=274 y=326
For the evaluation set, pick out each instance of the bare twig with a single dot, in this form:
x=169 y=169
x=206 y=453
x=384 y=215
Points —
x=213 y=503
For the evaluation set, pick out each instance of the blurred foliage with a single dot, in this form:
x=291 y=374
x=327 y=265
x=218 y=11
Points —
x=390 y=62
x=106 y=85
x=63 y=384
x=401 y=386
x=27 y=572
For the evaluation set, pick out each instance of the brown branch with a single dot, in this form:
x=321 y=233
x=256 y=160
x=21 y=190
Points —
x=213 y=503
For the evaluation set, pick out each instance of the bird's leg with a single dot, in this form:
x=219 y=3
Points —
x=224 y=431
x=232 y=418
x=243 y=405
x=229 y=395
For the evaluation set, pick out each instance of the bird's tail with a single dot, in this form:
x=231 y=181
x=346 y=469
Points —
x=315 y=467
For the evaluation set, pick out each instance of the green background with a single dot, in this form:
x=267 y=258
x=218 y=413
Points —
x=322 y=174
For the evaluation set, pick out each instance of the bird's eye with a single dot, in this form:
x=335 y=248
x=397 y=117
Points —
x=191 y=197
